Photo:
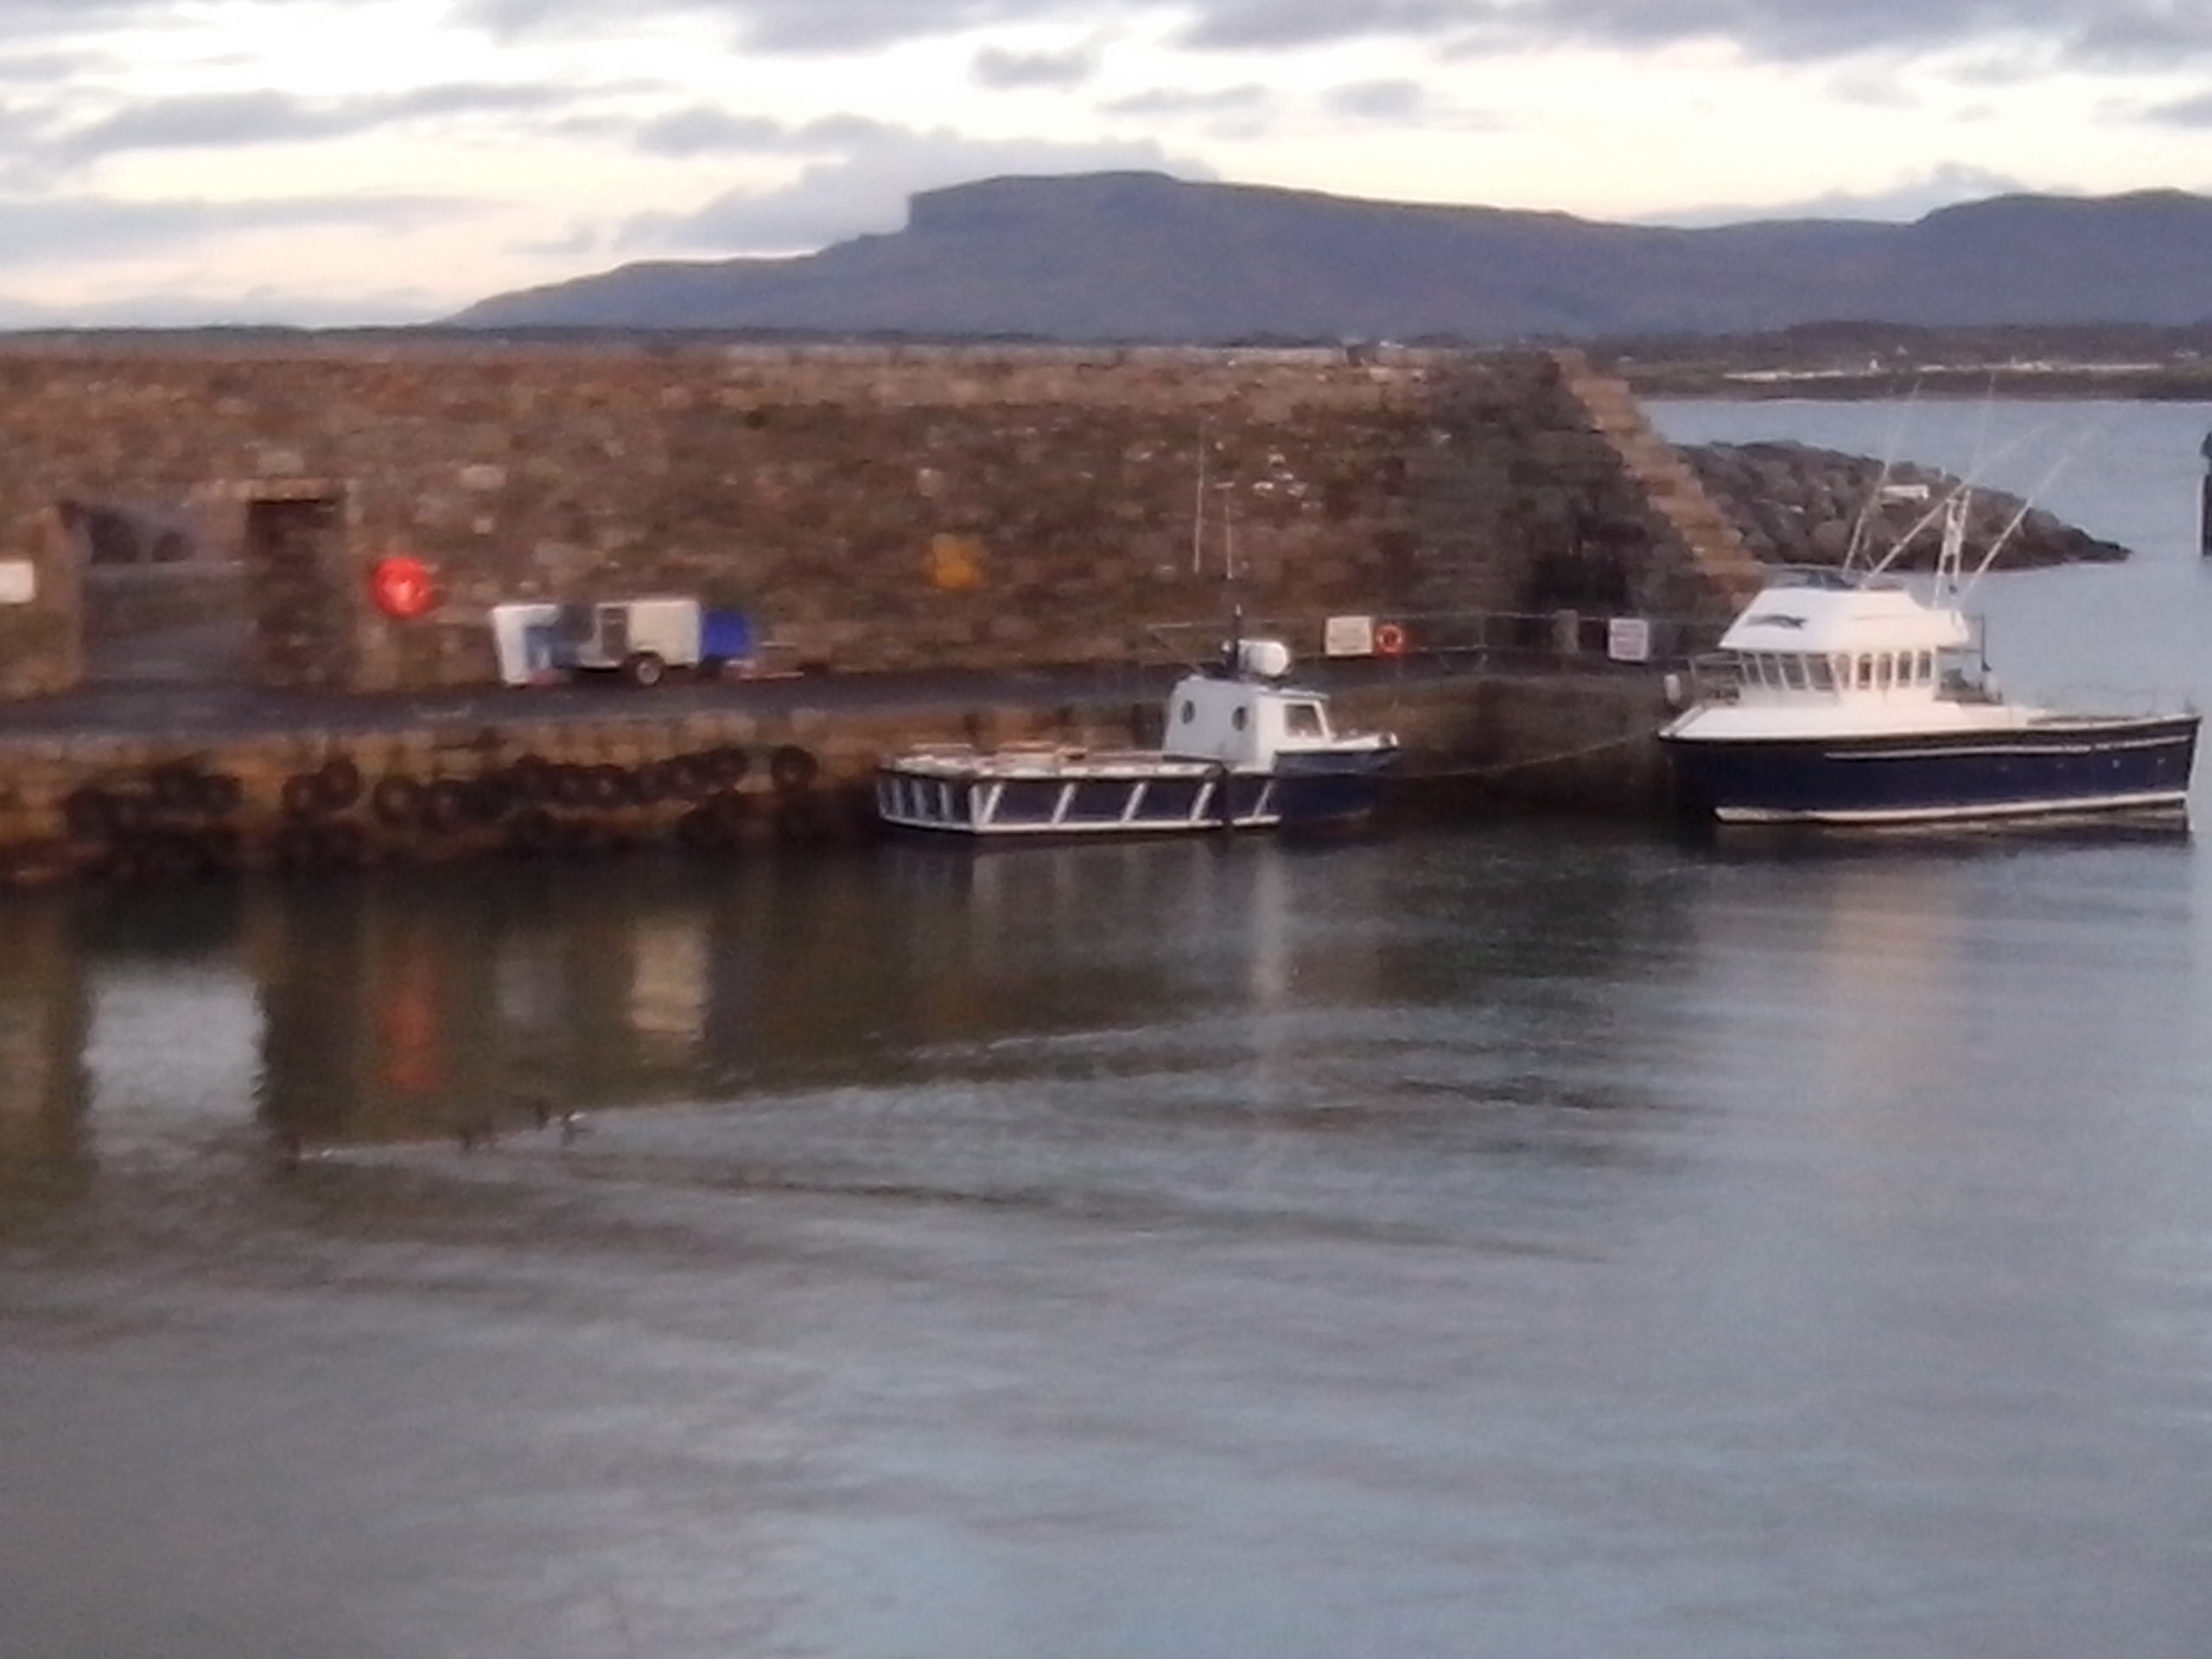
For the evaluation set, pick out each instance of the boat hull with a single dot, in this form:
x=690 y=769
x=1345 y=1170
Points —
x=2065 y=768
x=1307 y=792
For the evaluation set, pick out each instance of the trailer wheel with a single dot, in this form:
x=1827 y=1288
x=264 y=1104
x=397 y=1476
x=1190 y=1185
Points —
x=644 y=668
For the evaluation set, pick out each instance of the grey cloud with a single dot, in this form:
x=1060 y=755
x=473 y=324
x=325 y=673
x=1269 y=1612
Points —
x=92 y=228
x=2188 y=113
x=1246 y=99
x=703 y=131
x=236 y=119
x=804 y=26
x=1379 y=100
x=865 y=191
x=1007 y=71
x=2102 y=34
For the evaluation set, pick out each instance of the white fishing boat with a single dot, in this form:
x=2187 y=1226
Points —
x=1242 y=749
x=1856 y=698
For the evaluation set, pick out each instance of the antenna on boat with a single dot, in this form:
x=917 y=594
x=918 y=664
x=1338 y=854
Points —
x=1879 y=493
x=1198 y=505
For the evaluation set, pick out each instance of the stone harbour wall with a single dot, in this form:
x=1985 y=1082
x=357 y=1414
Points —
x=865 y=508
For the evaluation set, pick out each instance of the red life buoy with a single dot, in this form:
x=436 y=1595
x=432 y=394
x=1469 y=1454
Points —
x=1391 y=639
x=403 y=586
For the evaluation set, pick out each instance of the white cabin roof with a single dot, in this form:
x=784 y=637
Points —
x=1830 y=612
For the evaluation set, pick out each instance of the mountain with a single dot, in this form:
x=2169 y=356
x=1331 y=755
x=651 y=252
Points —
x=1130 y=256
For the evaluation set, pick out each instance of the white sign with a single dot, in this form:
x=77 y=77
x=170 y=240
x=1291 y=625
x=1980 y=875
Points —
x=18 y=581
x=1348 y=636
x=1628 y=638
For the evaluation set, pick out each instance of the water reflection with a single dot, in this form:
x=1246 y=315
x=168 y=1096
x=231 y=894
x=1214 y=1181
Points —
x=400 y=1005
x=45 y=1015
x=1528 y=1240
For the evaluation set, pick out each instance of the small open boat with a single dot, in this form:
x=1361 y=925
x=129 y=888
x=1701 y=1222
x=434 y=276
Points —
x=1242 y=750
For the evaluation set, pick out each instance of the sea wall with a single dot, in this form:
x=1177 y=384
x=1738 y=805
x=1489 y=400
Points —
x=729 y=778
x=867 y=509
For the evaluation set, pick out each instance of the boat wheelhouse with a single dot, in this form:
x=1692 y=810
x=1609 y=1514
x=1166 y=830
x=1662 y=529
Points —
x=1242 y=749
x=1854 y=698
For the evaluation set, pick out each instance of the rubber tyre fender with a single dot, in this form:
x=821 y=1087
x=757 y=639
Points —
x=610 y=785
x=300 y=797
x=570 y=785
x=397 y=799
x=492 y=796
x=690 y=778
x=791 y=769
x=728 y=765
x=338 y=780
x=532 y=775
x=446 y=805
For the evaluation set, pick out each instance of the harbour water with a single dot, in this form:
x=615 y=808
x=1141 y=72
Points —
x=1524 y=1239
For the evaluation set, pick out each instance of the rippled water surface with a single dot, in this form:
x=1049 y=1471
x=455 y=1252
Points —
x=1514 y=1239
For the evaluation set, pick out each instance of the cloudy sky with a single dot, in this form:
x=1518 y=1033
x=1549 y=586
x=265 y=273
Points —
x=323 y=162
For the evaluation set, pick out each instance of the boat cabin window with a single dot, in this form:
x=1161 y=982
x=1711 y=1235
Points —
x=1883 y=665
x=1237 y=718
x=1923 y=668
x=1818 y=673
x=1188 y=713
x=1792 y=672
x=1302 y=719
x=1865 y=673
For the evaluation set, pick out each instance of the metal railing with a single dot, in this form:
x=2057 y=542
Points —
x=1470 y=641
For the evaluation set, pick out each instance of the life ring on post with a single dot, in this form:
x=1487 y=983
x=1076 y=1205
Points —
x=1390 y=640
x=403 y=586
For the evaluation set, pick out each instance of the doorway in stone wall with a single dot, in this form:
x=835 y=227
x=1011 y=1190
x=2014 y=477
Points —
x=295 y=565
x=164 y=601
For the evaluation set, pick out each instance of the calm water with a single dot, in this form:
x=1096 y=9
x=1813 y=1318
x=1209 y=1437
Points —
x=1511 y=1240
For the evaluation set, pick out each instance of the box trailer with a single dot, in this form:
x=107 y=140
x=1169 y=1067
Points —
x=540 y=642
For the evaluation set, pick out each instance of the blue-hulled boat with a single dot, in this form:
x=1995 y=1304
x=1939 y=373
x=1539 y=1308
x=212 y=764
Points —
x=1849 y=697
x=1244 y=749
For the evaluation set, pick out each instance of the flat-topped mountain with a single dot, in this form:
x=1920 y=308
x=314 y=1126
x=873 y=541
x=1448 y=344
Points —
x=1139 y=257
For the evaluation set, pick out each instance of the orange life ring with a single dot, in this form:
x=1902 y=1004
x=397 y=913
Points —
x=1391 y=639
x=403 y=586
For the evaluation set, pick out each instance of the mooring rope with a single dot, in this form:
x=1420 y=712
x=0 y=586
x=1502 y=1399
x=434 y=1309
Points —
x=1497 y=766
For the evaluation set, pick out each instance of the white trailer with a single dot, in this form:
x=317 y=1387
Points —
x=639 y=639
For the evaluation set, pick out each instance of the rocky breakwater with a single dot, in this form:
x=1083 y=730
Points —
x=1798 y=503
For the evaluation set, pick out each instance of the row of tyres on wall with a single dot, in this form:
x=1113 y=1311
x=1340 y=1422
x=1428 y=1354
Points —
x=640 y=640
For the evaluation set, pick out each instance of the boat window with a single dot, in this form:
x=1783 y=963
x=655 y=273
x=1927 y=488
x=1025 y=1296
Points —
x=1188 y=713
x=1865 y=673
x=1924 y=668
x=1793 y=671
x=1237 y=719
x=1820 y=675
x=1302 y=719
x=1758 y=661
x=1884 y=665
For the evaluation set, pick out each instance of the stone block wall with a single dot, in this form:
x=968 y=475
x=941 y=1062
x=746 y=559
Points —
x=867 y=508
